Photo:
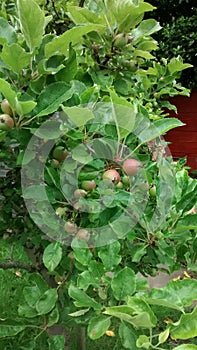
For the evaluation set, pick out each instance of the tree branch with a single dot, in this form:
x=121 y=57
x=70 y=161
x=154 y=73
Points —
x=18 y=264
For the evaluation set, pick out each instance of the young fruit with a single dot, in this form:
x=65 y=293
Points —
x=88 y=185
x=152 y=191
x=70 y=227
x=60 y=153
x=83 y=234
x=112 y=175
x=120 y=40
x=119 y=185
x=6 y=108
x=6 y=122
x=126 y=180
x=131 y=166
x=79 y=193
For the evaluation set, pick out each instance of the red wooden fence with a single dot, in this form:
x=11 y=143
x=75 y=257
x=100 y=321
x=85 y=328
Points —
x=183 y=140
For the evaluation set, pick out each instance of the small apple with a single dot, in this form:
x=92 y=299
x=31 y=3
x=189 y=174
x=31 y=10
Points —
x=112 y=175
x=6 y=122
x=83 y=234
x=131 y=166
x=152 y=191
x=119 y=185
x=120 y=40
x=79 y=193
x=126 y=180
x=70 y=226
x=60 y=153
x=88 y=185
x=6 y=108
x=60 y=211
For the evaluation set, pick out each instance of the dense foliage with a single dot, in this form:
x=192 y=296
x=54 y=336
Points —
x=178 y=35
x=90 y=196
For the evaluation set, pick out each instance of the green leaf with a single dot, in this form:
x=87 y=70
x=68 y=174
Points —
x=57 y=342
x=128 y=337
x=146 y=27
x=83 y=255
x=79 y=313
x=85 y=279
x=47 y=301
x=7 y=329
x=158 y=128
x=79 y=115
x=143 y=342
x=123 y=283
x=128 y=314
x=21 y=107
x=32 y=22
x=24 y=310
x=36 y=192
x=52 y=256
x=186 y=347
x=8 y=92
x=176 y=65
x=82 y=299
x=50 y=130
x=53 y=317
x=81 y=15
x=15 y=57
x=24 y=107
x=123 y=114
x=175 y=295
x=141 y=53
x=81 y=154
x=51 y=98
x=163 y=336
x=186 y=327
x=128 y=13
x=98 y=326
x=148 y=45
x=189 y=222
x=31 y=295
x=7 y=32
x=60 y=45
x=109 y=255
x=141 y=306
x=69 y=71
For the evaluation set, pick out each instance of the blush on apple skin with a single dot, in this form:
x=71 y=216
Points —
x=131 y=166
x=6 y=122
x=112 y=175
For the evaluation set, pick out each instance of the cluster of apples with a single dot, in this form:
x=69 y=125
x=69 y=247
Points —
x=130 y=167
x=6 y=120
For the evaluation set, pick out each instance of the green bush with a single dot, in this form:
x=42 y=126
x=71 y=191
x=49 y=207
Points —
x=89 y=195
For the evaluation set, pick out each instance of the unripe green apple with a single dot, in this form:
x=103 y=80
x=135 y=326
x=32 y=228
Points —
x=88 y=185
x=60 y=153
x=119 y=185
x=126 y=180
x=120 y=40
x=152 y=191
x=6 y=122
x=79 y=193
x=6 y=108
